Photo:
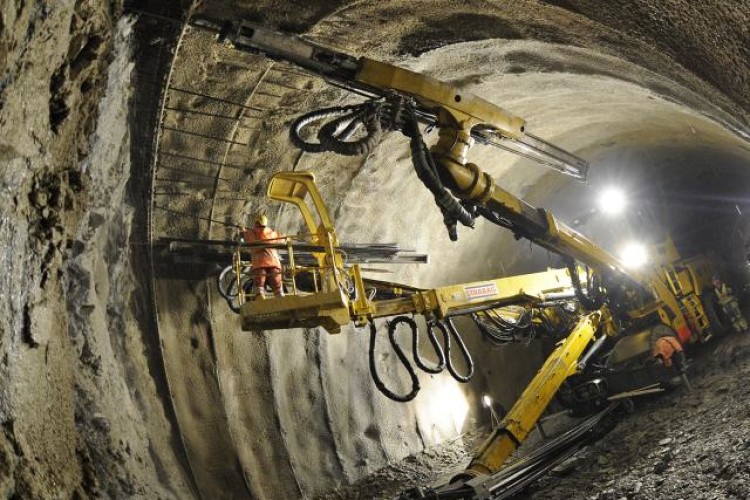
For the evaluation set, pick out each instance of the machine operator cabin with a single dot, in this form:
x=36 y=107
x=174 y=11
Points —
x=375 y=249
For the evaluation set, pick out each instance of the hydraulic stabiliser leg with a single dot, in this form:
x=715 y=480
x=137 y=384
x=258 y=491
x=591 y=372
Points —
x=522 y=418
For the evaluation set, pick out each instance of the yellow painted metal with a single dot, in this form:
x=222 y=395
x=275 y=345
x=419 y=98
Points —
x=646 y=311
x=665 y=252
x=694 y=308
x=329 y=310
x=701 y=271
x=671 y=314
x=473 y=110
x=294 y=187
x=686 y=280
x=329 y=306
x=442 y=301
x=333 y=309
x=362 y=307
x=522 y=418
x=631 y=347
x=457 y=112
x=450 y=153
x=299 y=189
x=477 y=294
x=237 y=265
x=474 y=184
x=677 y=285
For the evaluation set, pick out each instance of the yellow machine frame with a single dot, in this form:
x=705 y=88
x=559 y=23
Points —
x=331 y=309
x=458 y=116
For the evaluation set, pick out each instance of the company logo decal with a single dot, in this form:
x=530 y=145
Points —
x=480 y=291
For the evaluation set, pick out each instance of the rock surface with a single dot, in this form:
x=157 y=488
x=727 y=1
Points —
x=123 y=377
x=80 y=416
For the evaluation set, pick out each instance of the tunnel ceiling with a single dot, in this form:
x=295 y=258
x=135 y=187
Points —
x=652 y=90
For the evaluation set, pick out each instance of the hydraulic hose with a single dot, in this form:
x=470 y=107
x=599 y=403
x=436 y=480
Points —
x=404 y=361
x=335 y=135
x=498 y=333
x=330 y=139
x=591 y=301
x=447 y=328
x=440 y=365
x=394 y=113
x=295 y=131
x=426 y=170
x=501 y=331
x=464 y=351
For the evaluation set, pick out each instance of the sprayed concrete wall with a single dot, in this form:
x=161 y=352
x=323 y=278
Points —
x=300 y=402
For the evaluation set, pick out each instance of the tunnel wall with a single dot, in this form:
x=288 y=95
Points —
x=80 y=415
x=94 y=401
x=292 y=395
x=288 y=385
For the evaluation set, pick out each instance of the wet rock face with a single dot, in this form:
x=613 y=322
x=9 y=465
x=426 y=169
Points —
x=78 y=411
x=48 y=102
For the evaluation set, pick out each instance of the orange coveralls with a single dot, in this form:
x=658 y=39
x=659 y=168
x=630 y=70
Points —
x=265 y=261
x=665 y=348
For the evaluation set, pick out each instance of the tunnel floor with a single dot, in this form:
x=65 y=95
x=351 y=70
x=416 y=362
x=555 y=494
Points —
x=682 y=445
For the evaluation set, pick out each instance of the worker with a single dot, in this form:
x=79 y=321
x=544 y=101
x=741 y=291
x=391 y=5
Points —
x=669 y=350
x=730 y=305
x=266 y=265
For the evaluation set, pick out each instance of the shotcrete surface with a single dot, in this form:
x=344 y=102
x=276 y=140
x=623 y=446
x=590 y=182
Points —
x=300 y=402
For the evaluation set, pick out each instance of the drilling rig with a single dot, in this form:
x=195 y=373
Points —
x=619 y=332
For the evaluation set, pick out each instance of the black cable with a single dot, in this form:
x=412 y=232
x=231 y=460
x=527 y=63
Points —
x=426 y=169
x=501 y=331
x=228 y=290
x=396 y=112
x=440 y=365
x=295 y=131
x=447 y=328
x=402 y=357
x=504 y=337
x=464 y=352
x=590 y=302
x=486 y=332
x=369 y=116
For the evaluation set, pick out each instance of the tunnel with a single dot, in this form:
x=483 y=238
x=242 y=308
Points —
x=126 y=126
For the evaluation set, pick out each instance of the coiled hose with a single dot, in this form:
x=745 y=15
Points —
x=394 y=113
x=443 y=355
x=336 y=134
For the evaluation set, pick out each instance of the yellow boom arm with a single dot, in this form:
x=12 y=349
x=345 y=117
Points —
x=461 y=119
